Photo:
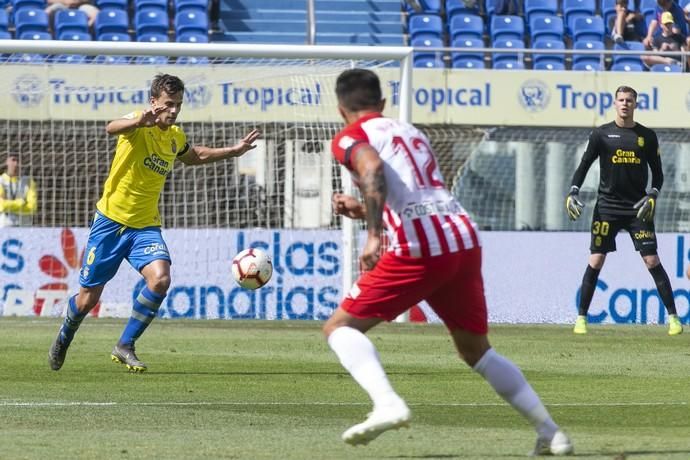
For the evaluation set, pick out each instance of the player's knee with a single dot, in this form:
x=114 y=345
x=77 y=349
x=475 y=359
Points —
x=160 y=283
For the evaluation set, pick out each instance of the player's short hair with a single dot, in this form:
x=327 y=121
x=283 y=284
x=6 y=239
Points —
x=165 y=82
x=358 y=89
x=626 y=89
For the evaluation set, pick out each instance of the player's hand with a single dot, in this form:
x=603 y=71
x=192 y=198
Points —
x=573 y=205
x=348 y=206
x=646 y=206
x=149 y=117
x=371 y=253
x=247 y=142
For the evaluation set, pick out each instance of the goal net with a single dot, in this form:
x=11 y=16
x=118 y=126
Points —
x=58 y=96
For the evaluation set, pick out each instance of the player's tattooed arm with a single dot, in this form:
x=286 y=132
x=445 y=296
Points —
x=372 y=183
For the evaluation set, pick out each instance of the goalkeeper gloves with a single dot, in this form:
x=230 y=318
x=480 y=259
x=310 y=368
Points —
x=573 y=204
x=646 y=206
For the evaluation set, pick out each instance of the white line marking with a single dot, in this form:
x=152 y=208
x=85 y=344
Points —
x=238 y=403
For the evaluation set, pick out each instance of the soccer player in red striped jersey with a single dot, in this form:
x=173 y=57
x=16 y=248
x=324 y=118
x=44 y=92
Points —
x=434 y=255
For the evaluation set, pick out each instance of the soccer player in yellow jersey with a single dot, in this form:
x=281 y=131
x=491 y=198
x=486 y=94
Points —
x=127 y=221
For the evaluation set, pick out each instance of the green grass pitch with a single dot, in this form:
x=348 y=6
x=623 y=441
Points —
x=274 y=390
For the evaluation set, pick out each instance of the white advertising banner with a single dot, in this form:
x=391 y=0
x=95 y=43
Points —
x=305 y=94
x=530 y=277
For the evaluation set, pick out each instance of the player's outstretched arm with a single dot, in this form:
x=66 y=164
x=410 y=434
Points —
x=348 y=206
x=200 y=154
x=147 y=118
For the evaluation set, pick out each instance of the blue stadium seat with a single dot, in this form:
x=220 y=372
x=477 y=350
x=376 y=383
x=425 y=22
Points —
x=592 y=59
x=427 y=24
x=589 y=66
x=145 y=5
x=5 y=35
x=627 y=67
x=151 y=22
x=192 y=60
x=608 y=13
x=454 y=7
x=507 y=28
x=545 y=44
x=647 y=5
x=28 y=35
x=428 y=63
x=507 y=56
x=589 y=28
x=112 y=4
x=24 y=4
x=468 y=59
x=549 y=66
x=501 y=7
x=509 y=65
x=114 y=37
x=670 y=68
x=102 y=59
x=463 y=26
x=428 y=6
x=75 y=36
x=111 y=21
x=191 y=37
x=153 y=37
x=576 y=8
x=427 y=43
x=539 y=8
x=547 y=27
x=198 y=6
x=4 y=21
x=191 y=21
x=26 y=58
x=30 y=20
x=70 y=59
x=630 y=59
x=151 y=60
x=70 y=21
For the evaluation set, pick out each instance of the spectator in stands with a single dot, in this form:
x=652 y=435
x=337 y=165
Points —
x=666 y=6
x=84 y=5
x=668 y=40
x=17 y=195
x=628 y=24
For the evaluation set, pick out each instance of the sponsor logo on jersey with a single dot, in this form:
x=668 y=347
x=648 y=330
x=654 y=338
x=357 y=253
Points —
x=640 y=141
x=613 y=136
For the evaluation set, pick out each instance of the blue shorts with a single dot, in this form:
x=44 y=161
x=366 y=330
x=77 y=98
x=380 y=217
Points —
x=110 y=242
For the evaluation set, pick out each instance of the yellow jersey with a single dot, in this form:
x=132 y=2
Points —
x=143 y=159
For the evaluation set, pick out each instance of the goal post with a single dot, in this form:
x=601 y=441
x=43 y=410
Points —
x=53 y=112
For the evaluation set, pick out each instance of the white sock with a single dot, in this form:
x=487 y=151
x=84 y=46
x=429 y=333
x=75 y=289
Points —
x=359 y=356
x=507 y=380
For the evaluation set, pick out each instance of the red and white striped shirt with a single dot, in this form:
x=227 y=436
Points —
x=422 y=218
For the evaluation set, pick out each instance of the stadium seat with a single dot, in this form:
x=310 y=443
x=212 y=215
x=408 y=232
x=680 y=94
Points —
x=549 y=66
x=454 y=7
x=75 y=36
x=30 y=20
x=427 y=6
x=647 y=6
x=35 y=36
x=627 y=67
x=111 y=21
x=539 y=8
x=102 y=59
x=501 y=7
x=608 y=13
x=192 y=37
x=592 y=59
x=589 y=66
x=151 y=60
x=464 y=26
x=152 y=37
x=4 y=21
x=509 y=65
x=547 y=27
x=427 y=24
x=500 y=56
x=151 y=22
x=191 y=21
x=507 y=28
x=588 y=28
x=146 y=5
x=427 y=43
x=428 y=63
x=545 y=44
x=671 y=68
x=631 y=59
x=5 y=35
x=27 y=58
x=18 y=5
x=197 y=6
x=573 y=9
x=112 y=4
x=114 y=37
x=70 y=59
x=468 y=59
x=70 y=21
x=192 y=60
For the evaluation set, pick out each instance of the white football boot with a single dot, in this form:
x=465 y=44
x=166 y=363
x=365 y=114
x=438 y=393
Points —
x=560 y=444
x=384 y=418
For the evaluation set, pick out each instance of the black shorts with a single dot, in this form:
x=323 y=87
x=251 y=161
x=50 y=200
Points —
x=605 y=228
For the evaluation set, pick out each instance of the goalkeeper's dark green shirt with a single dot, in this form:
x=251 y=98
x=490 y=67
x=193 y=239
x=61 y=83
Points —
x=625 y=157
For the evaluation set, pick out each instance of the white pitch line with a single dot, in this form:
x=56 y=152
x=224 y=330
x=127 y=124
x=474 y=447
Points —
x=237 y=403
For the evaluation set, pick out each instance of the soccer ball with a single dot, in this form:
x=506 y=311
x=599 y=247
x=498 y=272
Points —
x=252 y=268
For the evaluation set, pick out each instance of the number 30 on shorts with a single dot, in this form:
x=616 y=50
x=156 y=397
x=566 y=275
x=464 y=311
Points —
x=600 y=228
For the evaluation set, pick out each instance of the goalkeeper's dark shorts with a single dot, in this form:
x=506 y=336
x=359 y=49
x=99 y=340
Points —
x=605 y=228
